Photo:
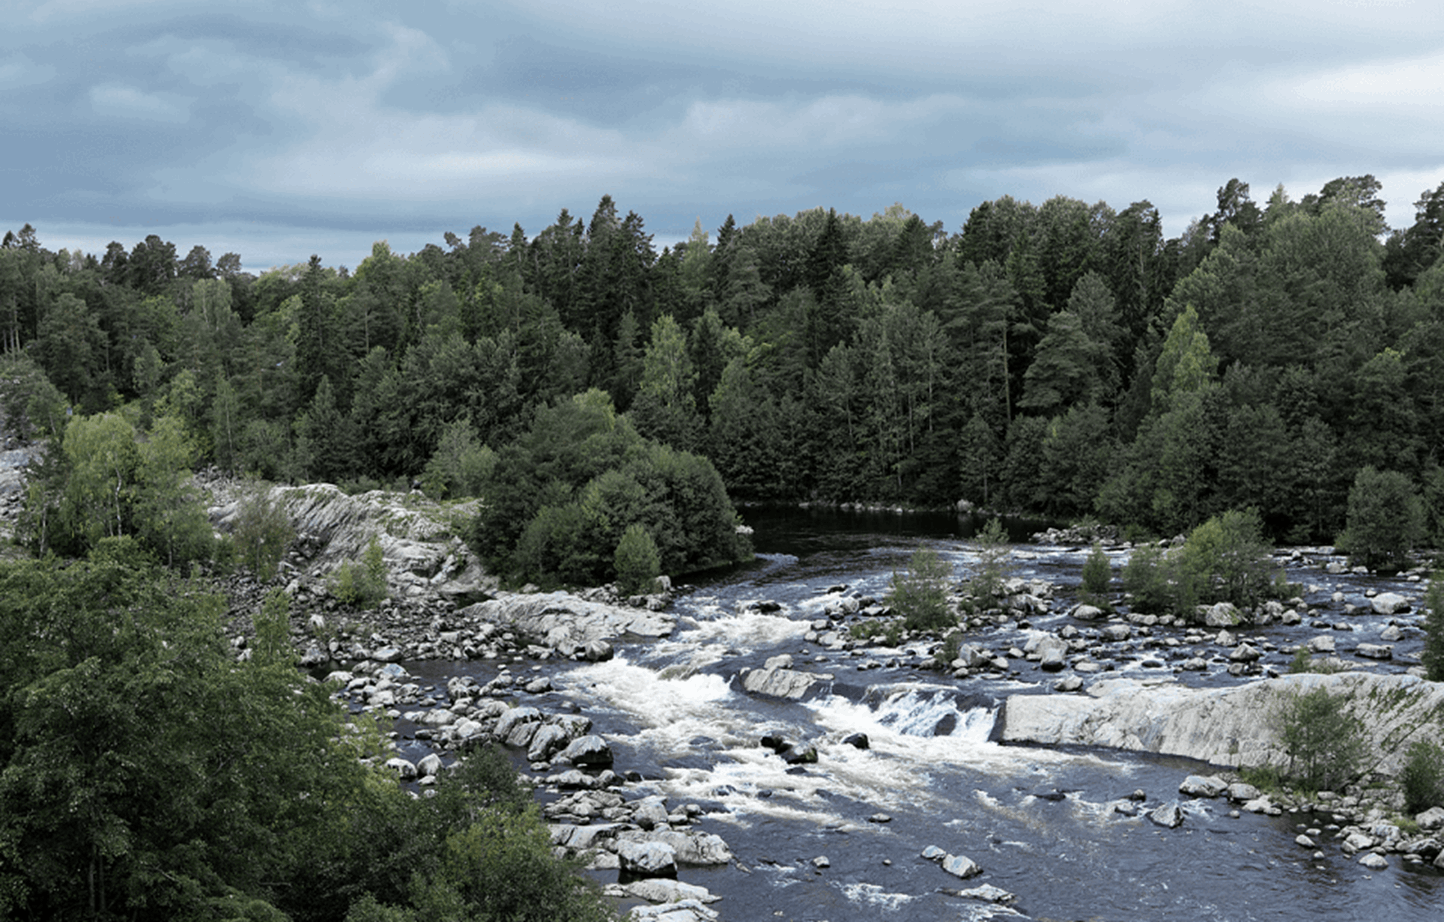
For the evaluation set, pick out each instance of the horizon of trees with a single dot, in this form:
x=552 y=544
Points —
x=1062 y=359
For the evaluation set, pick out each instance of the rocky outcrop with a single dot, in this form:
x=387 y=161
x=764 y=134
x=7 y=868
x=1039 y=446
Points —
x=424 y=556
x=567 y=623
x=1226 y=726
x=777 y=679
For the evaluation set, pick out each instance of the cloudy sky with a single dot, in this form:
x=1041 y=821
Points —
x=278 y=130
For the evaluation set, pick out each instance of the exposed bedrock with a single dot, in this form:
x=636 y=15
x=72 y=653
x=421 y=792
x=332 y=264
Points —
x=1232 y=727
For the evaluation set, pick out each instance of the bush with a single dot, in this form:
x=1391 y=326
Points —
x=1433 y=653
x=1097 y=573
x=1145 y=578
x=362 y=585
x=890 y=631
x=637 y=562
x=1423 y=777
x=557 y=498
x=261 y=533
x=1324 y=742
x=1385 y=520
x=992 y=573
x=921 y=594
x=1226 y=559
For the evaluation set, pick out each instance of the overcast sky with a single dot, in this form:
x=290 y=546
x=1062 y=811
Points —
x=278 y=130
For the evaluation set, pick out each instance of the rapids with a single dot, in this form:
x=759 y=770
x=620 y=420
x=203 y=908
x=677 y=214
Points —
x=1042 y=823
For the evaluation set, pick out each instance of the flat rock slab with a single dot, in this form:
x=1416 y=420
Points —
x=1220 y=726
x=566 y=623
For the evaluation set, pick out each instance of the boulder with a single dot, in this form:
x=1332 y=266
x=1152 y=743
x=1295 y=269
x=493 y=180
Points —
x=1200 y=786
x=565 y=623
x=690 y=846
x=687 y=910
x=545 y=742
x=1222 y=614
x=1375 y=651
x=1117 y=632
x=986 y=893
x=589 y=751
x=777 y=679
x=1052 y=652
x=1431 y=819
x=662 y=890
x=1240 y=792
x=1169 y=815
x=961 y=866
x=1244 y=653
x=1323 y=643
x=1087 y=612
x=1389 y=603
x=647 y=859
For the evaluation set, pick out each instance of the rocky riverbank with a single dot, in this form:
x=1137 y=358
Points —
x=1107 y=678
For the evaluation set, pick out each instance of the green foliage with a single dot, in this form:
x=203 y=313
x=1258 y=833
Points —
x=1323 y=740
x=261 y=533
x=1433 y=652
x=1224 y=560
x=637 y=561
x=109 y=481
x=362 y=584
x=1422 y=777
x=578 y=480
x=31 y=407
x=460 y=465
x=992 y=570
x=890 y=631
x=272 y=643
x=1097 y=573
x=921 y=594
x=1303 y=661
x=1385 y=520
x=1146 y=579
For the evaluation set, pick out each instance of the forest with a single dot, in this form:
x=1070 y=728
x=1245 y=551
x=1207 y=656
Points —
x=1061 y=359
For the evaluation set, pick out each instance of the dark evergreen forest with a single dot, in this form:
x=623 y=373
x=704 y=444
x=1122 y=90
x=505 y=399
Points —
x=1061 y=359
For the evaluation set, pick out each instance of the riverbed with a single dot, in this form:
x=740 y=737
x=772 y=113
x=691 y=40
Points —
x=1051 y=826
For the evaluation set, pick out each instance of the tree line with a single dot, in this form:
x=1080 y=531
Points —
x=1062 y=359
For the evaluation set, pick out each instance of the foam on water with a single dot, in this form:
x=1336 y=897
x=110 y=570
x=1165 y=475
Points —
x=873 y=895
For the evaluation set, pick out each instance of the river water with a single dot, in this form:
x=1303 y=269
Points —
x=1041 y=822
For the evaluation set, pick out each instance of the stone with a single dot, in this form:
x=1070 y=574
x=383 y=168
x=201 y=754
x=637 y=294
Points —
x=987 y=893
x=1240 y=792
x=1390 y=634
x=1117 y=632
x=1389 y=603
x=856 y=740
x=650 y=814
x=1244 y=653
x=1201 y=786
x=513 y=718
x=429 y=766
x=404 y=768
x=1324 y=643
x=545 y=742
x=1431 y=819
x=1374 y=861
x=933 y=853
x=1068 y=684
x=1169 y=815
x=1222 y=614
x=589 y=751
x=662 y=890
x=648 y=859
x=1375 y=651
x=688 y=910
x=692 y=847
x=1304 y=840
x=1051 y=653
x=1087 y=612
x=961 y=867
x=777 y=679
x=821 y=861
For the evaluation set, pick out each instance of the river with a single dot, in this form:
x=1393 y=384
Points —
x=1043 y=823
